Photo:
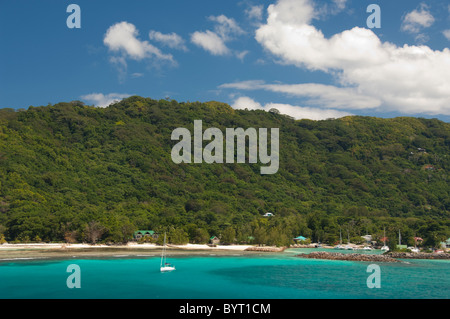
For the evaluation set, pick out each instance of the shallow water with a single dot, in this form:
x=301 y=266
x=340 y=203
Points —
x=261 y=276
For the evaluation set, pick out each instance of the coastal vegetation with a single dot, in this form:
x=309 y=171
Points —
x=70 y=172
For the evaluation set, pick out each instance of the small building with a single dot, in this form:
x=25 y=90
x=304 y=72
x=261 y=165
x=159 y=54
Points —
x=299 y=238
x=367 y=238
x=446 y=244
x=144 y=233
x=214 y=240
x=268 y=215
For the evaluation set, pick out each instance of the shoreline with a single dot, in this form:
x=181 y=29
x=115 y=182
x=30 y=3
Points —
x=17 y=252
x=11 y=252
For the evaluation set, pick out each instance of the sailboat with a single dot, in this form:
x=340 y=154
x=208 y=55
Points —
x=165 y=267
x=348 y=247
x=384 y=248
x=340 y=241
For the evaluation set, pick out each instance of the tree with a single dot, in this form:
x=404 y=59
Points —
x=71 y=236
x=93 y=231
x=260 y=235
x=64 y=165
x=2 y=228
x=178 y=236
x=127 y=229
x=433 y=234
x=277 y=237
x=197 y=235
x=228 y=236
x=274 y=110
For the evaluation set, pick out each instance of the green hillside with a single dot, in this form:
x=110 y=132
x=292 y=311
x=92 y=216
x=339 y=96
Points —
x=68 y=170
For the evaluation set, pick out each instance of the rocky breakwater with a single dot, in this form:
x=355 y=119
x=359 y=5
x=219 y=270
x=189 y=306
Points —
x=266 y=249
x=350 y=257
x=402 y=255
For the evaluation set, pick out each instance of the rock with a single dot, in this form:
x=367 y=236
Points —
x=403 y=255
x=266 y=249
x=350 y=257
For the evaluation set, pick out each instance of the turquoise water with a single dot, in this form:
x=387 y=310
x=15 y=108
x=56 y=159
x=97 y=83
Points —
x=265 y=276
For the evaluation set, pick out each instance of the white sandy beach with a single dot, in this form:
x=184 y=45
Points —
x=131 y=245
x=62 y=250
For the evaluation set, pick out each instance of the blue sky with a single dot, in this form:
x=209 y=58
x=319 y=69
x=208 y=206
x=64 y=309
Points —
x=309 y=59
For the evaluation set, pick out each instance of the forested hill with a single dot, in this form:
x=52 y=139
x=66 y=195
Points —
x=67 y=167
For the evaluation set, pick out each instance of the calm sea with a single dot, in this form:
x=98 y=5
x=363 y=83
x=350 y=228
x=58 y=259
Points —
x=265 y=276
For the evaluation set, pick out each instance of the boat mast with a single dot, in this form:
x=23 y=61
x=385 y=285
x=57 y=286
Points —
x=163 y=255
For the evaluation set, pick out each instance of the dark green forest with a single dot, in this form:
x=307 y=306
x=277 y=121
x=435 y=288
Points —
x=78 y=173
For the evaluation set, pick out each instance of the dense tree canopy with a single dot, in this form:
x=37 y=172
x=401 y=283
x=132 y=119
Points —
x=72 y=172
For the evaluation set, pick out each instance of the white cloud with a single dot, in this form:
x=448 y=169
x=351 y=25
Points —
x=407 y=79
x=329 y=8
x=421 y=38
x=211 y=42
x=241 y=55
x=225 y=27
x=225 y=30
x=255 y=12
x=101 y=100
x=416 y=20
x=122 y=38
x=291 y=12
x=446 y=33
x=244 y=85
x=172 y=40
x=340 y=4
x=318 y=94
x=297 y=112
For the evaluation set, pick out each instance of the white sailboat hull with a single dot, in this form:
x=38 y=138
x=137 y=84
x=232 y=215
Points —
x=165 y=267
x=384 y=248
